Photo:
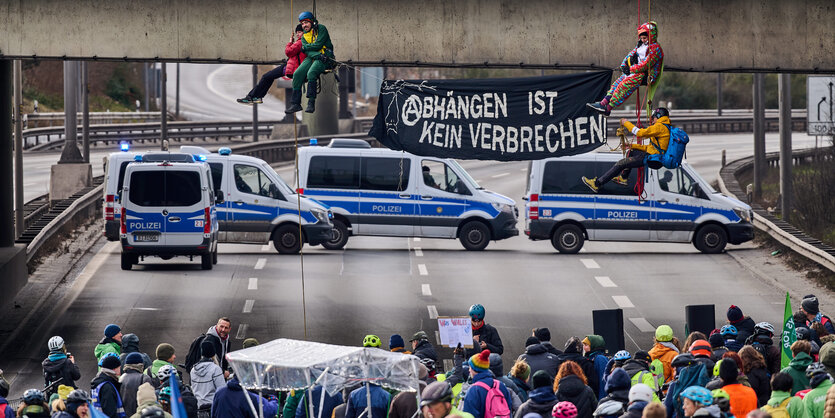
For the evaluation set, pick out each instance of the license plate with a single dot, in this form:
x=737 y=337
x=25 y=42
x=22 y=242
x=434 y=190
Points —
x=146 y=237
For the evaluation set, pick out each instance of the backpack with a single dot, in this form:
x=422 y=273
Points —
x=194 y=355
x=495 y=403
x=672 y=156
x=781 y=411
x=695 y=375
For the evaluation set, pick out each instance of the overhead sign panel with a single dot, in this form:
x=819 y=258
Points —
x=820 y=93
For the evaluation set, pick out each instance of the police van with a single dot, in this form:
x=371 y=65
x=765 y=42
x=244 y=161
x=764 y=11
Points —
x=115 y=165
x=259 y=206
x=168 y=210
x=677 y=206
x=390 y=193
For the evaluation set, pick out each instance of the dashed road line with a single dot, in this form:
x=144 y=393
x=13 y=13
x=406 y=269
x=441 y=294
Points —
x=433 y=311
x=422 y=270
x=448 y=364
x=424 y=288
x=248 y=305
x=260 y=263
x=605 y=281
x=495 y=176
x=623 y=301
x=523 y=169
x=253 y=283
x=642 y=324
x=418 y=252
x=241 y=334
x=145 y=309
x=417 y=239
x=590 y=263
x=438 y=337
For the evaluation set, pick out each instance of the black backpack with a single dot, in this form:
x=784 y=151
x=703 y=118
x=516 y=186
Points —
x=194 y=355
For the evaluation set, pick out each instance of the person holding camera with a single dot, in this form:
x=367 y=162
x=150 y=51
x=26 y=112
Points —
x=59 y=367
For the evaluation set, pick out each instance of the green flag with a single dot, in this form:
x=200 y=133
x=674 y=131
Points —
x=789 y=337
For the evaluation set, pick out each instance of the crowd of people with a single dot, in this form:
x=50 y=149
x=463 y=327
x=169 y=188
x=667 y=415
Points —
x=733 y=371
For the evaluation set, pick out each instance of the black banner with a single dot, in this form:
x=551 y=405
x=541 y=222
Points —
x=507 y=119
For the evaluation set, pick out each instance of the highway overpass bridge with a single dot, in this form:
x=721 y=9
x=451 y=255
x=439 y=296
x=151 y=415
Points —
x=697 y=35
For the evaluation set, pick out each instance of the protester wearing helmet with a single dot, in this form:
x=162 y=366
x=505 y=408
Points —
x=689 y=372
x=105 y=387
x=564 y=409
x=33 y=405
x=664 y=350
x=641 y=66
x=695 y=398
x=316 y=44
x=436 y=402
x=59 y=368
x=372 y=340
x=820 y=381
x=639 y=371
x=618 y=360
x=730 y=334
x=485 y=336
x=76 y=405
x=701 y=351
x=659 y=137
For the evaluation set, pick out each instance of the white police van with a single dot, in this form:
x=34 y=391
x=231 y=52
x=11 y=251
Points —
x=168 y=210
x=390 y=193
x=114 y=176
x=259 y=206
x=678 y=206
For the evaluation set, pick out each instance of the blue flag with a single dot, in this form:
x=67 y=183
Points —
x=178 y=410
x=95 y=412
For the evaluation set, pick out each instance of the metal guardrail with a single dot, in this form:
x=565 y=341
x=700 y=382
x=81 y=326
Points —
x=37 y=120
x=778 y=229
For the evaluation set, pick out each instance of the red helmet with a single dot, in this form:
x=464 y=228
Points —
x=645 y=28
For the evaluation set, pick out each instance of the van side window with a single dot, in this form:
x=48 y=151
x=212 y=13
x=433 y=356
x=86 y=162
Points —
x=440 y=176
x=121 y=184
x=563 y=177
x=250 y=179
x=390 y=174
x=329 y=172
x=217 y=174
x=679 y=182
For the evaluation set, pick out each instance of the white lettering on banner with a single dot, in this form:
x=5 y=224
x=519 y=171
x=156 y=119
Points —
x=578 y=123
x=569 y=135
x=485 y=135
x=548 y=138
x=512 y=144
x=475 y=106
x=538 y=138
x=525 y=138
x=498 y=138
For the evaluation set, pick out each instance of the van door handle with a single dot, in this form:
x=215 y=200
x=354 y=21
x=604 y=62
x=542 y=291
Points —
x=239 y=202
x=174 y=219
x=405 y=196
x=663 y=201
x=426 y=198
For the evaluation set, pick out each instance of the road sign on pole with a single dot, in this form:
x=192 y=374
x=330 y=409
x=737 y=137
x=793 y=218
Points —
x=820 y=93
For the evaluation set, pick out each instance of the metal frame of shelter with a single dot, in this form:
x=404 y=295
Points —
x=286 y=364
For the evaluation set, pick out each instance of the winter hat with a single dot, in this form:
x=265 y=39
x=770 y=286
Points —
x=299 y=28
x=531 y=341
x=134 y=358
x=480 y=362
x=716 y=340
x=643 y=356
x=110 y=362
x=63 y=391
x=496 y=365
x=728 y=371
x=165 y=351
x=664 y=333
x=701 y=348
x=419 y=336
x=810 y=304
x=207 y=349
x=734 y=314
x=396 y=341
x=250 y=342
x=111 y=330
x=542 y=334
x=541 y=379
x=145 y=393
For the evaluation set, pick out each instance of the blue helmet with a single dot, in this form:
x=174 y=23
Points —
x=305 y=16
x=622 y=355
x=728 y=331
x=698 y=394
x=477 y=312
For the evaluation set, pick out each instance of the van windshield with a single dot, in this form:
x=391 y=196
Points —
x=283 y=187
x=165 y=188
x=463 y=173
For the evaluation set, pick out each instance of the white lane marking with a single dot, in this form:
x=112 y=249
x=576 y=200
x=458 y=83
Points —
x=146 y=309
x=424 y=288
x=524 y=169
x=422 y=269
x=265 y=247
x=495 y=176
x=623 y=301
x=448 y=364
x=433 y=311
x=248 y=305
x=642 y=324
x=605 y=281
x=417 y=239
x=253 y=283
x=438 y=337
x=260 y=263
x=418 y=252
x=590 y=263
x=241 y=334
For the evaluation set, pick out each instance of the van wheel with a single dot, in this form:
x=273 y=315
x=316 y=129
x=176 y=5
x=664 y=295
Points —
x=474 y=236
x=710 y=239
x=214 y=256
x=568 y=239
x=206 y=261
x=127 y=261
x=340 y=236
x=286 y=239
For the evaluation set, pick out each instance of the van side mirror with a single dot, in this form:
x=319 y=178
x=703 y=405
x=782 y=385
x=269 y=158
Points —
x=274 y=193
x=218 y=197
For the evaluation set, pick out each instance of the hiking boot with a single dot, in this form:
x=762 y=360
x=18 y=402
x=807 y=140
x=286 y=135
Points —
x=257 y=100
x=599 y=108
x=620 y=180
x=311 y=96
x=592 y=183
x=311 y=105
x=295 y=102
x=246 y=100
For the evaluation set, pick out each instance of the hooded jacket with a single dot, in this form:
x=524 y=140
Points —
x=107 y=345
x=761 y=383
x=221 y=347
x=538 y=358
x=424 y=349
x=743 y=399
x=744 y=328
x=10 y=413
x=797 y=370
x=658 y=134
x=130 y=344
x=130 y=380
x=295 y=56
x=145 y=397
x=206 y=379
x=551 y=349
x=664 y=352
x=476 y=395
x=541 y=401
x=654 y=61
x=639 y=372
x=770 y=352
x=109 y=396
x=596 y=349
x=229 y=402
x=489 y=335
x=358 y=401
x=827 y=357
x=331 y=402
x=58 y=367
x=795 y=406
x=572 y=389
x=617 y=389
x=572 y=353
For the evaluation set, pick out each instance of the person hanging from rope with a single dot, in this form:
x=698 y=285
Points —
x=316 y=44
x=659 y=136
x=642 y=66
x=295 y=56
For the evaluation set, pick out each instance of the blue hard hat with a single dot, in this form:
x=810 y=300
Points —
x=305 y=16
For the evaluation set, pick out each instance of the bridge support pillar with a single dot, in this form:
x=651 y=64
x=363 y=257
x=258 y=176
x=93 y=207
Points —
x=785 y=100
x=71 y=174
x=325 y=120
x=760 y=164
